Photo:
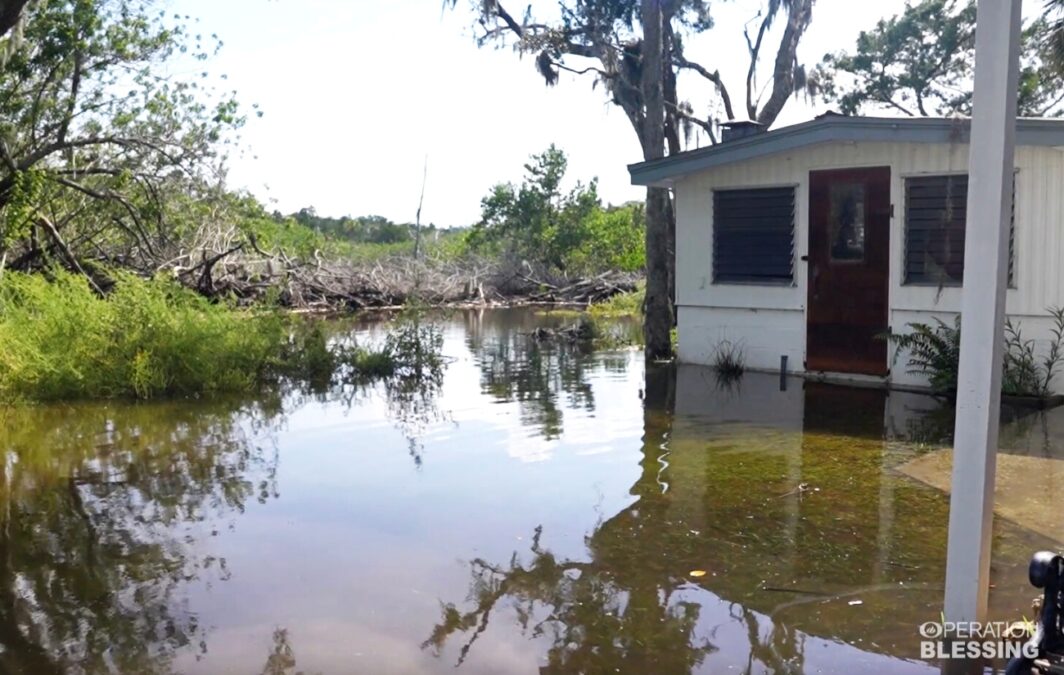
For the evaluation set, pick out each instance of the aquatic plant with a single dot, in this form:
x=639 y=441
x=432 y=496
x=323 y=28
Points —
x=729 y=360
x=146 y=338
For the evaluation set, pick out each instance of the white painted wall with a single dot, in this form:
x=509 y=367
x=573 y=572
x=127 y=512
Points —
x=770 y=320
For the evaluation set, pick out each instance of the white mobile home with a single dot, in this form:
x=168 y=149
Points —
x=811 y=240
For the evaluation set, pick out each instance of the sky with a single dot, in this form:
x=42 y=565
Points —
x=357 y=95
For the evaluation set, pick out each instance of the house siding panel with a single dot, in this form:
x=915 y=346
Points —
x=708 y=311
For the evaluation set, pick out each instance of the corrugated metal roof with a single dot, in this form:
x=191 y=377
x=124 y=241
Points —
x=834 y=128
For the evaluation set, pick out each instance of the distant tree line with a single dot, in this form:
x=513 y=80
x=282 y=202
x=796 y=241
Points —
x=361 y=229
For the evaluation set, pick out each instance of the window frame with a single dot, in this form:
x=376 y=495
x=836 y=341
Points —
x=949 y=283
x=780 y=282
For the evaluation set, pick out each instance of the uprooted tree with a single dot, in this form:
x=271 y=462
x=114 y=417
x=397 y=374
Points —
x=635 y=49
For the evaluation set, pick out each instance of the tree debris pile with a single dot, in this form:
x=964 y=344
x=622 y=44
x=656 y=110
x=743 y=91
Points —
x=249 y=274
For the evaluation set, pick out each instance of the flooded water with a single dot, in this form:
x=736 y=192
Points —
x=533 y=508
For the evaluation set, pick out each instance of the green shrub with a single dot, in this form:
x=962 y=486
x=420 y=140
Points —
x=147 y=338
x=622 y=304
x=1025 y=374
x=368 y=363
x=563 y=231
x=934 y=351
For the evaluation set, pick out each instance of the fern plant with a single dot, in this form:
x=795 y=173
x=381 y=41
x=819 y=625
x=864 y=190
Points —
x=934 y=351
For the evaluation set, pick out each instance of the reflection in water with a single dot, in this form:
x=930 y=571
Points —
x=545 y=377
x=413 y=391
x=592 y=615
x=118 y=523
x=282 y=657
x=786 y=500
x=98 y=524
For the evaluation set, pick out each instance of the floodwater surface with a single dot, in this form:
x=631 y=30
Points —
x=531 y=508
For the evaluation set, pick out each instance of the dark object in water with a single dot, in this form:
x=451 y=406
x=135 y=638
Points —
x=580 y=332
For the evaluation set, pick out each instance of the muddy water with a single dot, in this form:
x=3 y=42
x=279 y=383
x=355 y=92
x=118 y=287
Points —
x=533 y=508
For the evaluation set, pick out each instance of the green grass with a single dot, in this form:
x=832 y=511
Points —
x=369 y=363
x=152 y=338
x=147 y=338
x=623 y=304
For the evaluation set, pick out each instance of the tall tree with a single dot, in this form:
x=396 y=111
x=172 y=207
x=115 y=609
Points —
x=536 y=221
x=609 y=40
x=920 y=63
x=658 y=308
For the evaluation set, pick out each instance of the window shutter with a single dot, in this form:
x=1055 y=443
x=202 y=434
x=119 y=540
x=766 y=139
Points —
x=935 y=217
x=753 y=236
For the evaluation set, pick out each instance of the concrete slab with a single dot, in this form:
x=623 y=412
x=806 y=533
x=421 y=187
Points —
x=1029 y=492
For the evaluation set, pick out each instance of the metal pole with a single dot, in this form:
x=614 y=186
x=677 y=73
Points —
x=990 y=168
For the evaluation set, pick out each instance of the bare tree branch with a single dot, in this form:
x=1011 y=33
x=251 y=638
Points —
x=800 y=13
x=713 y=77
x=683 y=114
x=755 y=55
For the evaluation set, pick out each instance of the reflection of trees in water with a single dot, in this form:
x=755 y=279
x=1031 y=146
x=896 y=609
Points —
x=100 y=509
x=543 y=377
x=629 y=604
x=282 y=657
x=592 y=619
x=412 y=392
x=414 y=341
x=611 y=613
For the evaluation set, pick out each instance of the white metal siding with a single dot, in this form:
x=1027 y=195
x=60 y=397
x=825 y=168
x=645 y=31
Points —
x=707 y=311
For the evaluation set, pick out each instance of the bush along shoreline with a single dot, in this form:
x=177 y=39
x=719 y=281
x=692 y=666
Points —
x=150 y=338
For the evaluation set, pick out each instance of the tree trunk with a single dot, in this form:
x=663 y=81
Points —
x=10 y=11
x=799 y=15
x=420 y=203
x=657 y=323
x=670 y=253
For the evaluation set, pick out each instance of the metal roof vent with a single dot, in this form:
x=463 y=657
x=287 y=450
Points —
x=737 y=129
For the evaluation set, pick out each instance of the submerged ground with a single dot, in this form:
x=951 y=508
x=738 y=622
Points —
x=533 y=507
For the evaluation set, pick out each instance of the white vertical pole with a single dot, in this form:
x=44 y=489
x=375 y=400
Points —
x=990 y=168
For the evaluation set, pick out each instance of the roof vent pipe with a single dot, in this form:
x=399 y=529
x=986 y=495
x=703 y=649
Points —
x=737 y=129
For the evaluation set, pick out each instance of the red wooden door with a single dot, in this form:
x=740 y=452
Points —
x=848 y=266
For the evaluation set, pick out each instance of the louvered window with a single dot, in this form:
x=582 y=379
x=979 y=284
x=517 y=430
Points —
x=935 y=213
x=753 y=236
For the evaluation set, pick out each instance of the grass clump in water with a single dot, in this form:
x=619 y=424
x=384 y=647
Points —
x=729 y=360
x=370 y=363
x=146 y=338
x=622 y=304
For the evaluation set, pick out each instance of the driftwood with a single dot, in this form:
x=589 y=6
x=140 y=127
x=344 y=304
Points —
x=230 y=267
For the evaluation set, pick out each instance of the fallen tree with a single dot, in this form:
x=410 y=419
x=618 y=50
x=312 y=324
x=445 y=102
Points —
x=245 y=271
